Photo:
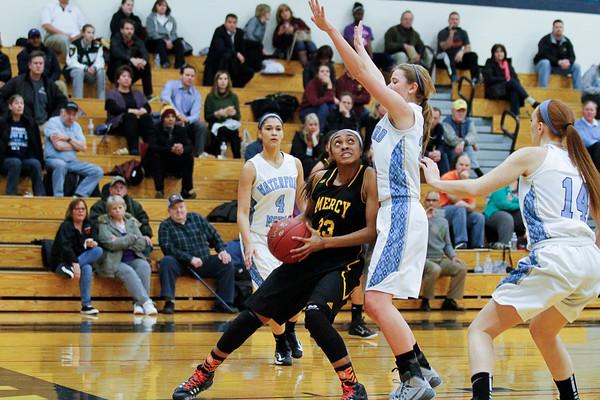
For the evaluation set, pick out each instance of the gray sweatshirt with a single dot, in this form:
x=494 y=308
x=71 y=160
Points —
x=439 y=237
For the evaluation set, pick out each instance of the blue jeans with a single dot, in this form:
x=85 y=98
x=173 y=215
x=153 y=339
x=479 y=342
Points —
x=78 y=76
x=12 y=167
x=305 y=45
x=322 y=112
x=170 y=269
x=467 y=226
x=91 y=173
x=544 y=69
x=85 y=261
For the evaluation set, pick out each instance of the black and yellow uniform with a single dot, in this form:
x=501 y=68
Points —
x=325 y=277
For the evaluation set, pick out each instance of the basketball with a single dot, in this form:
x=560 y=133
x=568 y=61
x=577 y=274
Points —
x=280 y=238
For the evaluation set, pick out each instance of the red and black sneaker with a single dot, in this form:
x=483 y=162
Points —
x=353 y=392
x=197 y=383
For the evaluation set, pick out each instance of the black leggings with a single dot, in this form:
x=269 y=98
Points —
x=160 y=47
x=133 y=128
x=227 y=136
x=515 y=94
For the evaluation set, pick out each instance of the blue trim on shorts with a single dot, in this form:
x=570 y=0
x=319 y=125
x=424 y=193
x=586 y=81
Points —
x=255 y=275
x=523 y=269
x=535 y=226
x=391 y=255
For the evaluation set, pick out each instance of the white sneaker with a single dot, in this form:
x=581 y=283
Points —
x=137 y=309
x=149 y=308
x=414 y=388
x=432 y=376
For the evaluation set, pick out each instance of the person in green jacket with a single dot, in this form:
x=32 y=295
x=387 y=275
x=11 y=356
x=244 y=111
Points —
x=222 y=112
x=503 y=217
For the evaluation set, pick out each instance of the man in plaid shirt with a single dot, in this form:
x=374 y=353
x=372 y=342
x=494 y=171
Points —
x=185 y=239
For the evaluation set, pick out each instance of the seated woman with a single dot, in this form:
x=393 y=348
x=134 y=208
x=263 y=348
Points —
x=306 y=144
x=324 y=57
x=119 y=234
x=128 y=111
x=162 y=35
x=20 y=148
x=125 y=11
x=344 y=117
x=319 y=96
x=74 y=251
x=292 y=36
x=170 y=153
x=503 y=217
x=254 y=34
x=502 y=82
x=222 y=113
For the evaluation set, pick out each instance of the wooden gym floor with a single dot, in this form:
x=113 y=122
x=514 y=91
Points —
x=118 y=356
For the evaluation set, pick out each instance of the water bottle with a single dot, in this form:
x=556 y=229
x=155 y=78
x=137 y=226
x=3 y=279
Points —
x=157 y=61
x=488 y=265
x=478 y=267
x=90 y=127
x=513 y=241
x=223 y=150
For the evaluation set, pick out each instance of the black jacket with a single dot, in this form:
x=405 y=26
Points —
x=133 y=207
x=494 y=79
x=5 y=69
x=115 y=24
x=22 y=85
x=121 y=53
x=222 y=53
x=160 y=143
x=51 y=67
x=34 y=142
x=68 y=243
x=336 y=121
x=554 y=51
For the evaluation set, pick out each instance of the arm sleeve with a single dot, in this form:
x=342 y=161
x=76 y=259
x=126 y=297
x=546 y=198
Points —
x=99 y=61
x=500 y=200
x=73 y=58
x=151 y=27
x=196 y=109
x=167 y=247
x=214 y=239
x=112 y=107
x=64 y=241
x=118 y=244
x=589 y=80
x=251 y=29
x=450 y=136
x=488 y=74
x=118 y=52
x=571 y=52
x=173 y=33
x=54 y=72
x=392 y=41
x=5 y=69
x=209 y=110
x=472 y=135
x=448 y=248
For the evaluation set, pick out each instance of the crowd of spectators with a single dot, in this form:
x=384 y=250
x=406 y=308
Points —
x=116 y=236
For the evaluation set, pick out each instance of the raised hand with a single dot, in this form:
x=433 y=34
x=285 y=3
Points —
x=318 y=16
x=430 y=170
x=358 y=36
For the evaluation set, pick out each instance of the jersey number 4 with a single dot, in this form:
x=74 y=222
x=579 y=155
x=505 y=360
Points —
x=582 y=200
x=280 y=203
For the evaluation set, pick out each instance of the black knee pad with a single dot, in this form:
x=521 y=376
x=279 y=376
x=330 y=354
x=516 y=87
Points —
x=238 y=331
x=317 y=321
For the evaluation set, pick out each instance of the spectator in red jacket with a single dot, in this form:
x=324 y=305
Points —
x=347 y=84
x=319 y=96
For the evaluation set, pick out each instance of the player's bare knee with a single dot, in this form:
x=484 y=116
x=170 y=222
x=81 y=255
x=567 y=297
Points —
x=372 y=306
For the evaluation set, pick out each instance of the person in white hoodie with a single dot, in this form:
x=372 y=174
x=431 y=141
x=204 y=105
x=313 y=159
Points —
x=85 y=62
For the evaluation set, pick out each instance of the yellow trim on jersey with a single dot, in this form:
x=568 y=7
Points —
x=333 y=172
x=344 y=295
x=356 y=176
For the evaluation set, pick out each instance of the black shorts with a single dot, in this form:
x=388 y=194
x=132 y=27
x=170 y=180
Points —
x=291 y=287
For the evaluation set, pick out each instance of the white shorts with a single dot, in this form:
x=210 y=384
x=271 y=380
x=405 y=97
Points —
x=263 y=262
x=564 y=276
x=399 y=255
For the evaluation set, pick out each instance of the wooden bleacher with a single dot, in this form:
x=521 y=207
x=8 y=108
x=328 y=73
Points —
x=26 y=286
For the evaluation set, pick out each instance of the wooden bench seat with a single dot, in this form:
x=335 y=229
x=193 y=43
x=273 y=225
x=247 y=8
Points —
x=540 y=94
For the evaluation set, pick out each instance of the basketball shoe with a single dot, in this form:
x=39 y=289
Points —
x=197 y=383
x=353 y=392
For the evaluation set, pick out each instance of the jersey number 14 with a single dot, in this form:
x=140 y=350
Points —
x=582 y=200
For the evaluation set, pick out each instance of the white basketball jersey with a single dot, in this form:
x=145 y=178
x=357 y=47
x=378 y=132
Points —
x=396 y=155
x=273 y=192
x=554 y=200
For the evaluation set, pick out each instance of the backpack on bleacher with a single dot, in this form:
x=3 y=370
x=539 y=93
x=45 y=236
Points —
x=226 y=212
x=284 y=105
x=46 y=248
